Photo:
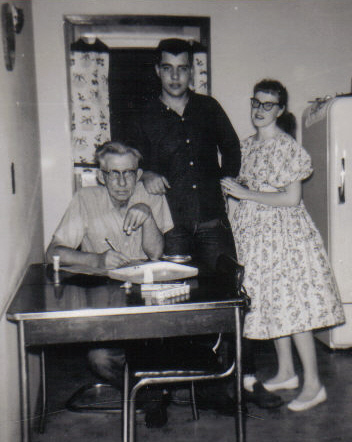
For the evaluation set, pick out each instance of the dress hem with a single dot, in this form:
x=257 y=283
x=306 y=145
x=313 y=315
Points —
x=320 y=328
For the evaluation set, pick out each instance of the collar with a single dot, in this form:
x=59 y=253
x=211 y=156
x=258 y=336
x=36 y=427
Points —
x=165 y=107
x=131 y=202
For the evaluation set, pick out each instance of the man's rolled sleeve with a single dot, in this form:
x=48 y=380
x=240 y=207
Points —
x=161 y=213
x=71 y=228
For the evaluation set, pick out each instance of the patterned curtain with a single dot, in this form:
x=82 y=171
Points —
x=90 y=124
x=200 y=69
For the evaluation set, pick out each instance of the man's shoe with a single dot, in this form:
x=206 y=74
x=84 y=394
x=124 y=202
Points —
x=156 y=417
x=156 y=412
x=263 y=398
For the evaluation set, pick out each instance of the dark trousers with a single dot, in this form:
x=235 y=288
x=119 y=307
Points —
x=203 y=241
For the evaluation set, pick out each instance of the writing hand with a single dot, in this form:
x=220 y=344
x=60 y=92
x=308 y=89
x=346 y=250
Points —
x=135 y=217
x=154 y=183
x=112 y=259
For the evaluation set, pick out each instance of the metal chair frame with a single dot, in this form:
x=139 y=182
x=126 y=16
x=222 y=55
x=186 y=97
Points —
x=229 y=267
x=163 y=377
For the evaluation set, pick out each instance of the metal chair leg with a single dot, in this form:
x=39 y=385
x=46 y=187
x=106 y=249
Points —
x=195 y=412
x=131 y=413
x=125 y=403
x=43 y=409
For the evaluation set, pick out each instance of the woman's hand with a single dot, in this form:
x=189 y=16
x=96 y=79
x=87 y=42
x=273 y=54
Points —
x=232 y=188
x=283 y=197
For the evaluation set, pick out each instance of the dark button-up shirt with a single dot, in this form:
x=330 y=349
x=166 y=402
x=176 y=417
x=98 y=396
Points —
x=184 y=149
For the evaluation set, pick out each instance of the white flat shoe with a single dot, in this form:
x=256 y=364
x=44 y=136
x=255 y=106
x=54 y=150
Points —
x=290 y=384
x=296 y=405
x=248 y=382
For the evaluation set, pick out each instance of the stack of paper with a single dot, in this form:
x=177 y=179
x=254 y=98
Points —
x=165 y=293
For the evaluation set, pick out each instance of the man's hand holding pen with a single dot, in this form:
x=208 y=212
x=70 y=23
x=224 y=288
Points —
x=112 y=258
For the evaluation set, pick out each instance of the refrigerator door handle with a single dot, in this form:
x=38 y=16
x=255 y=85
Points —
x=341 y=189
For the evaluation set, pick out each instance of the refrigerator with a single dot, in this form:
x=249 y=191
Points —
x=327 y=136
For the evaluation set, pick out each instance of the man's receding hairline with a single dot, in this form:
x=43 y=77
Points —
x=120 y=154
x=117 y=148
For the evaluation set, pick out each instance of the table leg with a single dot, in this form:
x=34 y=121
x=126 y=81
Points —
x=240 y=430
x=43 y=410
x=25 y=427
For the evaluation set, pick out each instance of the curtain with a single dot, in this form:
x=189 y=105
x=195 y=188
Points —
x=90 y=115
x=200 y=73
x=89 y=83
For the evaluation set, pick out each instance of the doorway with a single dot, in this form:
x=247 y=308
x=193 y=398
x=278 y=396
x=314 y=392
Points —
x=129 y=41
x=132 y=83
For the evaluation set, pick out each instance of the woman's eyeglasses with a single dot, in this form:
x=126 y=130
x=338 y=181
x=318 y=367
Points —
x=112 y=175
x=267 y=105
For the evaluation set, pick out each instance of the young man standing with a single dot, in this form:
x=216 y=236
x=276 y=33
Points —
x=180 y=134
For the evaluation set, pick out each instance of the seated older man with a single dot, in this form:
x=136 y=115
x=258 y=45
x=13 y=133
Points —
x=116 y=222
x=109 y=225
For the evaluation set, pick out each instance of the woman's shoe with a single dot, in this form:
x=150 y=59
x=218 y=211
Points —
x=290 y=384
x=296 y=405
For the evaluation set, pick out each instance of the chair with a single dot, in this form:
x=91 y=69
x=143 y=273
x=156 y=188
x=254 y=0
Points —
x=230 y=274
x=72 y=403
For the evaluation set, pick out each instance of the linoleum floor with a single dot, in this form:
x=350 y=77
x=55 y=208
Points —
x=328 y=422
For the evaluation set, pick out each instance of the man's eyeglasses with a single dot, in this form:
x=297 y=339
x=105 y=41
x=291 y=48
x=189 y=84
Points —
x=267 y=105
x=118 y=174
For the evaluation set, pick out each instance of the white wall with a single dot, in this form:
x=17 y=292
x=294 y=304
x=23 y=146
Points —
x=307 y=44
x=304 y=43
x=21 y=213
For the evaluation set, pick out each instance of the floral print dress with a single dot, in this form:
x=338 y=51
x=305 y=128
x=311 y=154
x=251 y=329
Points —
x=287 y=272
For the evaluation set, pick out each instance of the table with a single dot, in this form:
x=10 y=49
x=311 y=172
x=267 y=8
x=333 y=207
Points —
x=80 y=308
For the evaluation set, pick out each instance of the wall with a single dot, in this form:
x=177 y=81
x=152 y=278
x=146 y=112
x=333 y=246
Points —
x=21 y=213
x=304 y=43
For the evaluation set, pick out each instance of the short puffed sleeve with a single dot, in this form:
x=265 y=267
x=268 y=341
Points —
x=246 y=146
x=296 y=162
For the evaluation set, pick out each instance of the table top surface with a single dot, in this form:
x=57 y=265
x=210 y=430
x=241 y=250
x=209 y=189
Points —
x=41 y=296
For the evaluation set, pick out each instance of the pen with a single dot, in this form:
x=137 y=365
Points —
x=110 y=244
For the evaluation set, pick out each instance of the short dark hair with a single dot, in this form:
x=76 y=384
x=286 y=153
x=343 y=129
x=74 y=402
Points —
x=117 y=148
x=286 y=121
x=174 y=46
x=273 y=87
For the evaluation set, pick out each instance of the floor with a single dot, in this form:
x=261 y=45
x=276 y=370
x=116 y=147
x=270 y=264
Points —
x=328 y=422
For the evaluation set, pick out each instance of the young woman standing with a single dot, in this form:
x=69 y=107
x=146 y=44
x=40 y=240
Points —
x=288 y=275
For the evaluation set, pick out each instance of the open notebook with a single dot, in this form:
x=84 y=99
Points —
x=150 y=272
x=140 y=272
